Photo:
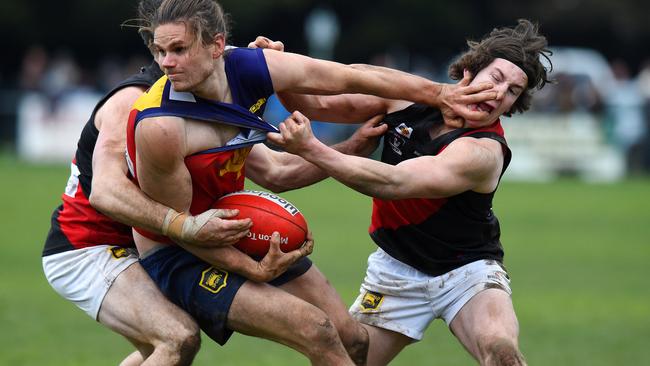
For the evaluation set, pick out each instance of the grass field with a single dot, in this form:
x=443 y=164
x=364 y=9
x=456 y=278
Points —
x=577 y=253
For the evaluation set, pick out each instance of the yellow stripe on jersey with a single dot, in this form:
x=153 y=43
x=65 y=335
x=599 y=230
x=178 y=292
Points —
x=152 y=98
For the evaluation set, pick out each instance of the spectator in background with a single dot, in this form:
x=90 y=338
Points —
x=625 y=108
x=33 y=68
x=643 y=81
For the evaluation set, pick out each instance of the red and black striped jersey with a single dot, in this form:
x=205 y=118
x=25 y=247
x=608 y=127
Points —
x=75 y=223
x=435 y=235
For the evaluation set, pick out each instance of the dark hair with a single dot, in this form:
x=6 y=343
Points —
x=521 y=45
x=204 y=18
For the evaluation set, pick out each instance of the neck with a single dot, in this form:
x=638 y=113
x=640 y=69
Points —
x=215 y=86
x=439 y=130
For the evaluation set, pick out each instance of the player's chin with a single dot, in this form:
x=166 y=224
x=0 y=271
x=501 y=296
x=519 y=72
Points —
x=479 y=123
x=180 y=86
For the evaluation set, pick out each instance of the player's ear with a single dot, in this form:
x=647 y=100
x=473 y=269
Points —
x=219 y=41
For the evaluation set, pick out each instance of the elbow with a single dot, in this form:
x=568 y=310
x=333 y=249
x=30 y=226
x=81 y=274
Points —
x=276 y=183
x=97 y=198
x=100 y=198
x=277 y=186
x=279 y=189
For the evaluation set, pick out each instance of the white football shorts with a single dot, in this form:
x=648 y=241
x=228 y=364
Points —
x=398 y=297
x=83 y=276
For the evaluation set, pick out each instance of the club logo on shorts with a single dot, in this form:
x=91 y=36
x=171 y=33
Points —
x=371 y=301
x=119 y=252
x=213 y=279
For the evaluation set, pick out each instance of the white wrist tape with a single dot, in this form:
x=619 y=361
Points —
x=183 y=227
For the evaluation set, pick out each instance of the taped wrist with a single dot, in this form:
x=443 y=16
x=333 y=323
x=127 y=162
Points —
x=193 y=224
x=173 y=224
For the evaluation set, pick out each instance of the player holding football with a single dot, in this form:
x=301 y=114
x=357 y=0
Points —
x=439 y=251
x=228 y=88
x=89 y=258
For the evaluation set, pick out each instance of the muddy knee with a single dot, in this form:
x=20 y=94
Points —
x=319 y=335
x=356 y=343
x=500 y=352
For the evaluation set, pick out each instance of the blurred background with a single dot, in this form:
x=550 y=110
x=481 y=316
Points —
x=574 y=205
x=59 y=57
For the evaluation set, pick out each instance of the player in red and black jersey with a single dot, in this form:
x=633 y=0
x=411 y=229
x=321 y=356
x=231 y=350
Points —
x=440 y=254
x=89 y=258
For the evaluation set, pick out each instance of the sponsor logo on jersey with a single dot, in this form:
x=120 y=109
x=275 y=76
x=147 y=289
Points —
x=213 y=279
x=256 y=107
x=119 y=252
x=395 y=141
x=404 y=130
x=371 y=301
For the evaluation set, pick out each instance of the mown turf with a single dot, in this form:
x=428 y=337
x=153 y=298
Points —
x=577 y=253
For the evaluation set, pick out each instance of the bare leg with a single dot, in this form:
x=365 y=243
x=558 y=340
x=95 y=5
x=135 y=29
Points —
x=487 y=327
x=314 y=288
x=136 y=309
x=262 y=310
x=384 y=345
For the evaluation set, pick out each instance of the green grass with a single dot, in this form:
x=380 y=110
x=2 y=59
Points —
x=578 y=255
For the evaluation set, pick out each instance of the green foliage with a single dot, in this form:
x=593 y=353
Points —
x=577 y=254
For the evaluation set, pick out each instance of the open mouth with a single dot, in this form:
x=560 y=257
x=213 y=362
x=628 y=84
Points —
x=484 y=107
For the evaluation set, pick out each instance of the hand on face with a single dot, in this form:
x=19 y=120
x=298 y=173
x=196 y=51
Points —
x=456 y=100
x=509 y=82
x=295 y=134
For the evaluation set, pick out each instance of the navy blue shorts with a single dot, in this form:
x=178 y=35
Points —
x=204 y=291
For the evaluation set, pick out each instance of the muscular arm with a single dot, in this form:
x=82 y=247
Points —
x=163 y=176
x=344 y=108
x=292 y=73
x=281 y=171
x=466 y=164
x=112 y=192
x=300 y=74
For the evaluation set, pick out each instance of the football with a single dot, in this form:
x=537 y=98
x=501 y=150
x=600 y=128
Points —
x=269 y=213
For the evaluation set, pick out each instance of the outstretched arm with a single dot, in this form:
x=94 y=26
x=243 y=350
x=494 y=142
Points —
x=293 y=73
x=466 y=164
x=281 y=171
x=452 y=99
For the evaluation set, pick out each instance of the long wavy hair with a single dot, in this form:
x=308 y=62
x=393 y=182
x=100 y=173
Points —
x=521 y=45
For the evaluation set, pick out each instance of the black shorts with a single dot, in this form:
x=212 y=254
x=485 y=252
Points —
x=202 y=290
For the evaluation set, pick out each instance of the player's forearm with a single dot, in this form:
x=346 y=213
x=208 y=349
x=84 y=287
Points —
x=118 y=198
x=366 y=176
x=394 y=84
x=299 y=74
x=345 y=108
x=295 y=172
x=230 y=259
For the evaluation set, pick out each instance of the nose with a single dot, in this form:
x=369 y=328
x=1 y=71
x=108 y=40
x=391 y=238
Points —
x=501 y=92
x=167 y=60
